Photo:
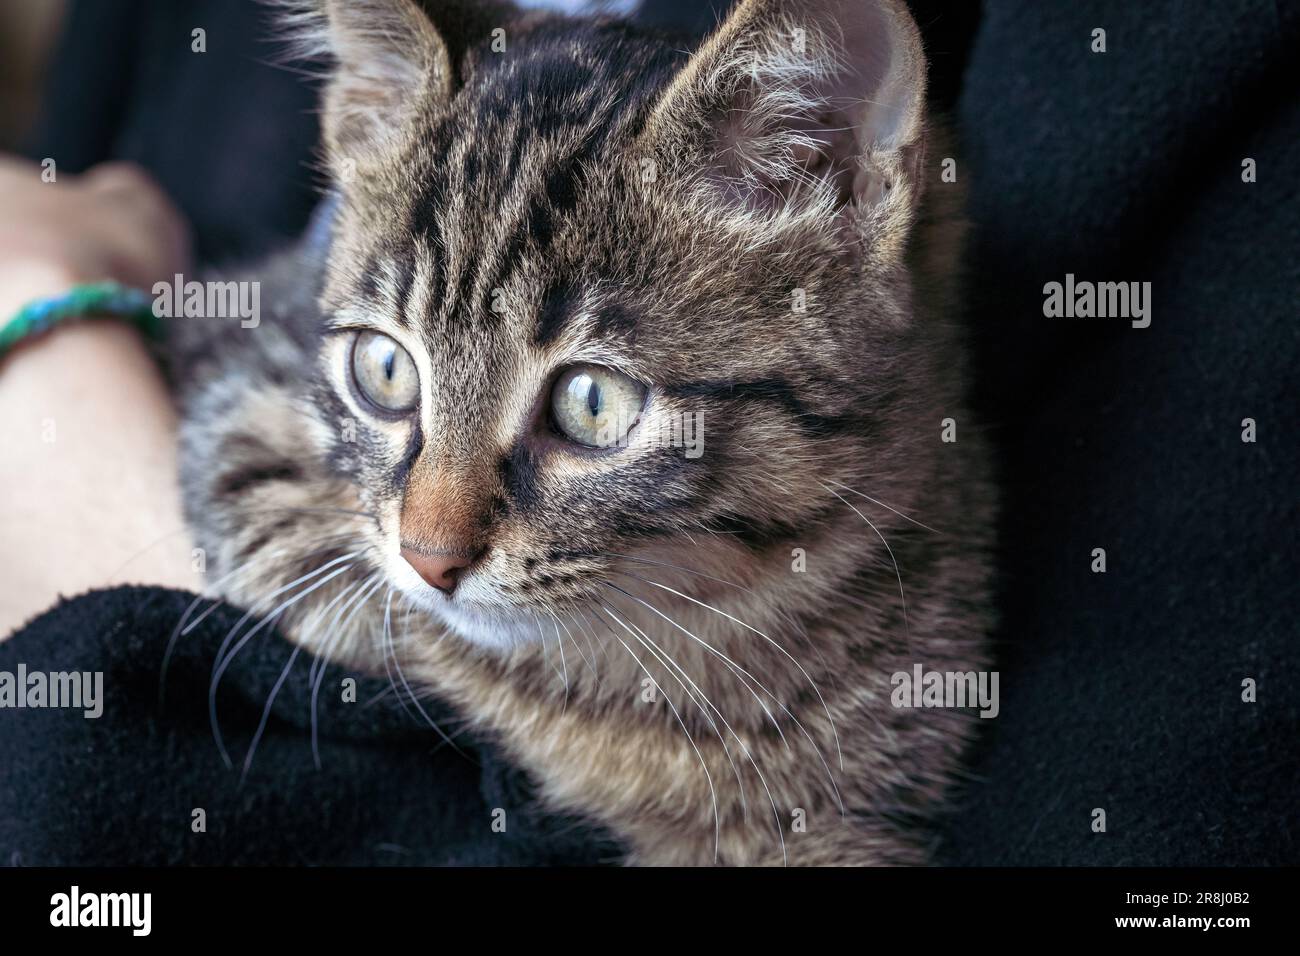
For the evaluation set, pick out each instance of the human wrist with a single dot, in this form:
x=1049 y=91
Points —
x=26 y=280
x=48 y=297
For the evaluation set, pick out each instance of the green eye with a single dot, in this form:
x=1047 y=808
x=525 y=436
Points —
x=384 y=372
x=595 y=406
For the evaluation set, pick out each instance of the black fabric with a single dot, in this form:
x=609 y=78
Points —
x=123 y=787
x=1120 y=691
x=230 y=133
x=1123 y=690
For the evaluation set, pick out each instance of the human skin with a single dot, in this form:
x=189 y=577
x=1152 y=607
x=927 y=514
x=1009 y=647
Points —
x=88 y=474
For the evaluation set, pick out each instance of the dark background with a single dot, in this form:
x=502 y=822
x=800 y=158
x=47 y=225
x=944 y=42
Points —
x=1121 y=690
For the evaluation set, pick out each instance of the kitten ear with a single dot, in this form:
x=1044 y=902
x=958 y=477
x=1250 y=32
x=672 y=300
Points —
x=812 y=102
x=388 y=57
x=383 y=53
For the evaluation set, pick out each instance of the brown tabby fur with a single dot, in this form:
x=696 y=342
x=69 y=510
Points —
x=637 y=636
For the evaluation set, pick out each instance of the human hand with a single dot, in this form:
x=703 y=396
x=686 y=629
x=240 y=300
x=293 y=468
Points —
x=113 y=222
x=88 y=474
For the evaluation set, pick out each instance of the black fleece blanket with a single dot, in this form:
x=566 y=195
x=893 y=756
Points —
x=319 y=772
x=1121 y=691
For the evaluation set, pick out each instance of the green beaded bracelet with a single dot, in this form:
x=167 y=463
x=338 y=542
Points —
x=113 y=299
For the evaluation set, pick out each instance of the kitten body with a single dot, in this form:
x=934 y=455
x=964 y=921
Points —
x=694 y=653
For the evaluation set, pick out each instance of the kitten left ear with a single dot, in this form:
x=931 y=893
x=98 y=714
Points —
x=383 y=52
x=813 y=101
x=388 y=57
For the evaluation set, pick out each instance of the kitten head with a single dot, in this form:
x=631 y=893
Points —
x=595 y=306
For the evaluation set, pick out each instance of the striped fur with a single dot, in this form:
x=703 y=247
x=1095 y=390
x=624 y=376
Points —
x=636 y=636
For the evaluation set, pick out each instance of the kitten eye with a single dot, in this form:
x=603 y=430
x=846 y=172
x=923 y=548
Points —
x=595 y=406
x=384 y=372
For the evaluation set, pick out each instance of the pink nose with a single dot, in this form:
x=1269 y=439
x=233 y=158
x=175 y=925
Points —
x=442 y=569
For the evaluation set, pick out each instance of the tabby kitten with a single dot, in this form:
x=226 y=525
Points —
x=557 y=241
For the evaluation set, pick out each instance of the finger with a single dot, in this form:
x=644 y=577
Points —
x=117 y=176
x=151 y=233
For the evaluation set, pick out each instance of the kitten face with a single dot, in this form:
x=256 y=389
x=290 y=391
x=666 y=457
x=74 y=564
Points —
x=566 y=339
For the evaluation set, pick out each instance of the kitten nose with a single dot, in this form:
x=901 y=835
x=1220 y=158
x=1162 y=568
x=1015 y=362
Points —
x=442 y=569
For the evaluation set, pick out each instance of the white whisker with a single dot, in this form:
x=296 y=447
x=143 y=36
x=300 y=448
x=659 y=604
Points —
x=717 y=819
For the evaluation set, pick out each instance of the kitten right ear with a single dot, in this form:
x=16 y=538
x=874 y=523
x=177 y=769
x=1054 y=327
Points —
x=387 y=57
x=804 y=105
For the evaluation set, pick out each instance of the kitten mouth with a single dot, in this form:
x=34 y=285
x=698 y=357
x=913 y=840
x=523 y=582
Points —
x=469 y=611
x=498 y=627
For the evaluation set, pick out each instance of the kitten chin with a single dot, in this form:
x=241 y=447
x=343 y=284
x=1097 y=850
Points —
x=493 y=628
